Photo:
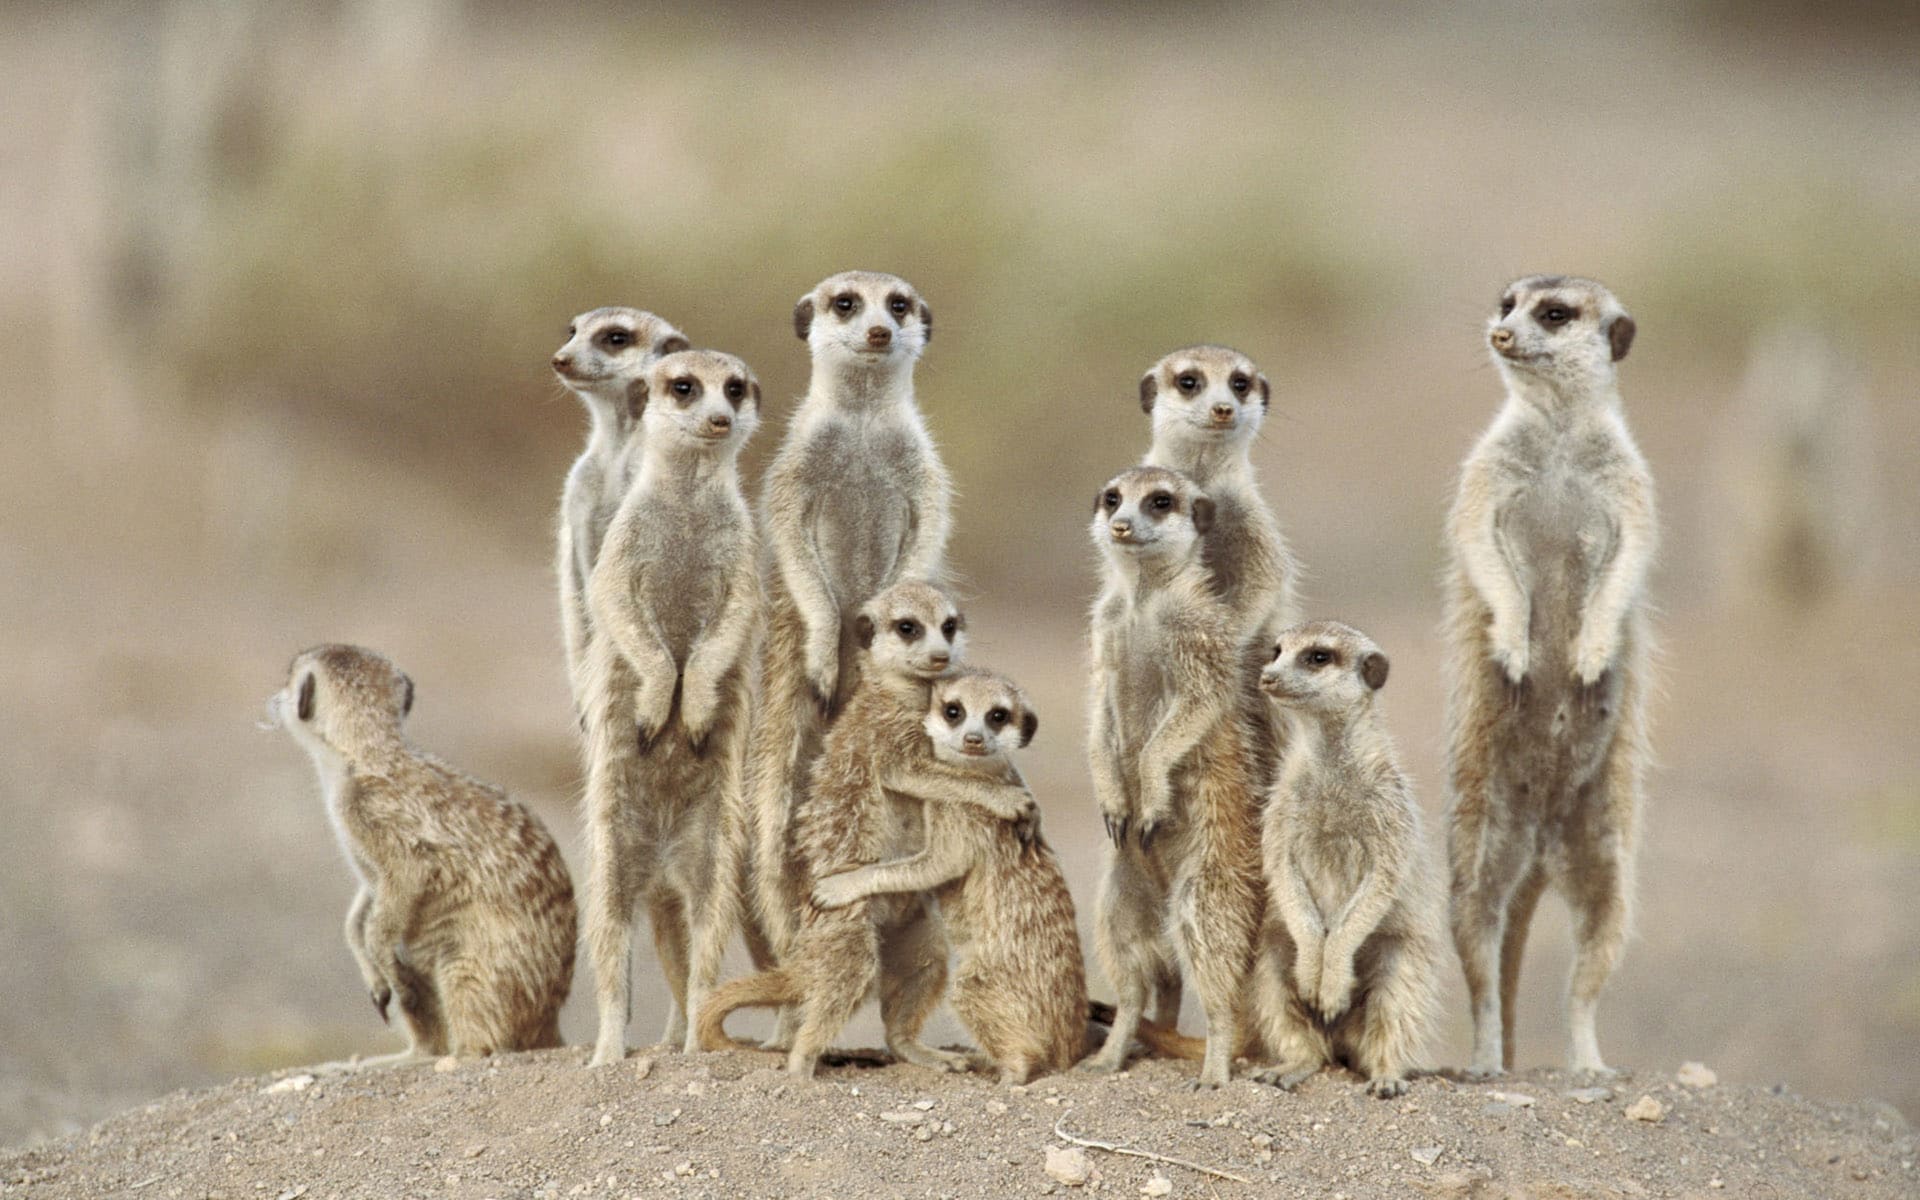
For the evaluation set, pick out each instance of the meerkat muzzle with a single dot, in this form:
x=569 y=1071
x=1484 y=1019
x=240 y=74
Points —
x=1502 y=340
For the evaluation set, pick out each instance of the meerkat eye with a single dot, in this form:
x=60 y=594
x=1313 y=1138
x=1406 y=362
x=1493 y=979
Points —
x=1318 y=657
x=1278 y=650
x=735 y=389
x=1506 y=305
x=1555 y=315
x=1239 y=383
x=909 y=629
x=617 y=337
x=897 y=305
x=573 y=331
x=1160 y=502
x=949 y=627
x=1112 y=499
x=1187 y=381
x=682 y=387
x=998 y=717
x=844 y=305
x=953 y=713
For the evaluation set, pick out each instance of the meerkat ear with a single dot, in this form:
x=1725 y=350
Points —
x=674 y=345
x=306 y=697
x=1029 y=725
x=863 y=630
x=753 y=388
x=1266 y=392
x=1202 y=514
x=636 y=399
x=1373 y=669
x=926 y=318
x=1620 y=336
x=1149 y=388
x=406 y=698
x=803 y=317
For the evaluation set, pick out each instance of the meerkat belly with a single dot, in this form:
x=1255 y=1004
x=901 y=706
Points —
x=1142 y=686
x=860 y=534
x=1224 y=553
x=1336 y=868
x=686 y=575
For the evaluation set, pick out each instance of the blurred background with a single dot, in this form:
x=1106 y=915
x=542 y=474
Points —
x=280 y=282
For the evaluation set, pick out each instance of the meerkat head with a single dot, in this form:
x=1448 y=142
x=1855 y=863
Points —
x=864 y=319
x=697 y=400
x=1150 y=512
x=911 y=629
x=340 y=698
x=607 y=349
x=1559 y=330
x=1324 y=666
x=976 y=717
x=1205 y=392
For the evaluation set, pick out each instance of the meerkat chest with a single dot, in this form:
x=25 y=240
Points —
x=685 y=559
x=1563 y=520
x=1334 y=853
x=867 y=473
x=1142 y=682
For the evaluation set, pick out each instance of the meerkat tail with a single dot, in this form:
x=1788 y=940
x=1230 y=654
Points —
x=768 y=989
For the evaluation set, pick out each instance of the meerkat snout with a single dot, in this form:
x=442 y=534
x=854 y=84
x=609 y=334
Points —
x=879 y=336
x=1502 y=339
x=563 y=363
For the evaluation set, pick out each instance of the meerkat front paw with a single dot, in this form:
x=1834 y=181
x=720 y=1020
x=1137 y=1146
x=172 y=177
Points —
x=835 y=891
x=699 y=709
x=1511 y=653
x=1592 y=656
x=1386 y=1087
x=823 y=671
x=1307 y=966
x=382 y=995
x=1335 y=993
x=652 y=709
x=1156 y=813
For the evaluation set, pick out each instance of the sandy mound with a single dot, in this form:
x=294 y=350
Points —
x=732 y=1125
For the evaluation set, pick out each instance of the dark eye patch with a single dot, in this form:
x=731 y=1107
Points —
x=954 y=712
x=1190 y=381
x=846 y=304
x=615 y=337
x=998 y=717
x=306 y=697
x=735 y=390
x=686 y=387
x=1160 y=501
x=898 y=305
x=909 y=630
x=1315 y=657
x=949 y=627
x=1240 y=383
x=1506 y=305
x=1111 y=499
x=1553 y=313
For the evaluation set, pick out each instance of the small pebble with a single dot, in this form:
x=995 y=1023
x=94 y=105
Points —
x=1517 y=1099
x=997 y=1108
x=1426 y=1156
x=903 y=1118
x=923 y=1134
x=449 y=1063
x=1589 y=1095
x=642 y=1067
x=1696 y=1075
x=1069 y=1165
x=923 y=1105
x=476 y=1150
x=292 y=1083
x=1159 y=1185
x=1646 y=1108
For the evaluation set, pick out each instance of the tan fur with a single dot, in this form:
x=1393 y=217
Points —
x=675 y=599
x=1550 y=541
x=855 y=500
x=850 y=816
x=465 y=913
x=1208 y=404
x=1171 y=764
x=1019 y=983
x=1353 y=919
x=606 y=351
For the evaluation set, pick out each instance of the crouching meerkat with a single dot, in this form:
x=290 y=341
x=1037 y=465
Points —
x=1172 y=766
x=1207 y=404
x=855 y=500
x=607 y=350
x=1550 y=540
x=1353 y=918
x=464 y=918
x=675 y=599
x=910 y=634
x=1019 y=983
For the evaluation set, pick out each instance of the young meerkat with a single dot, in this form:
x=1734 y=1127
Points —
x=1207 y=404
x=464 y=916
x=1551 y=537
x=607 y=350
x=849 y=816
x=855 y=500
x=1019 y=982
x=675 y=599
x=1171 y=762
x=1353 y=918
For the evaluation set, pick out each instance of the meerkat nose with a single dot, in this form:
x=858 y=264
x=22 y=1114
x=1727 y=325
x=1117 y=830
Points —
x=974 y=739
x=879 y=335
x=1223 y=411
x=720 y=422
x=1120 y=529
x=1501 y=338
x=940 y=658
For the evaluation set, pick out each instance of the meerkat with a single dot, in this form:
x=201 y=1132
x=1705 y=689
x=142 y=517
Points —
x=911 y=634
x=855 y=500
x=1353 y=917
x=1550 y=541
x=1169 y=753
x=1019 y=983
x=675 y=599
x=464 y=916
x=607 y=350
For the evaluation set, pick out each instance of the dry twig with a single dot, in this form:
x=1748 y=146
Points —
x=1060 y=1131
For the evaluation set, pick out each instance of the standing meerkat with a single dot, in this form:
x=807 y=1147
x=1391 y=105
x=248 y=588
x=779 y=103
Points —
x=606 y=352
x=1207 y=404
x=1353 y=918
x=1019 y=982
x=1168 y=748
x=675 y=599
x=911 y=635
x=855 y=500
x=1550 y=540
x=464 y=914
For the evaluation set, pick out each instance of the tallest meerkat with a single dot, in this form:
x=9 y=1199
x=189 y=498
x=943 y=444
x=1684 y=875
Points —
x=855 y=500
x=1551 y=538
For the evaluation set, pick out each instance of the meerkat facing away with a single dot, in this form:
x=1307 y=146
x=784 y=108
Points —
x=607 y=350
x=1551 y=537
x=855 y=500
x=1207 y=404
x=910 y=634
x=675 y=599
x=1019 y=982
x=464 y=915
x=1353 y=918
x=1168 y=749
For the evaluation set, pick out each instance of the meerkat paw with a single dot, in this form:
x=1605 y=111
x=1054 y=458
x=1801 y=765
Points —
x=381 y=995
x=835 y=891
x=1386 y=1087
x=1511 y=650
x=1283 y=1077
x=1597 y=1072
x=1483 y=1072
x=1104 y=1061
x=922 y=1055
x=1116 y=824
x=1153 y=823
x=1335 y=993
x=607 y=1051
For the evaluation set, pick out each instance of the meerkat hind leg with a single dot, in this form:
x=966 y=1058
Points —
x=1513 y=946
x=913 y=979
x=1597 y=889
x=609 y=914
x=669 y=918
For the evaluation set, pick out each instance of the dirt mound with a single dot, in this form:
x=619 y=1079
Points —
x=733 y=1125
